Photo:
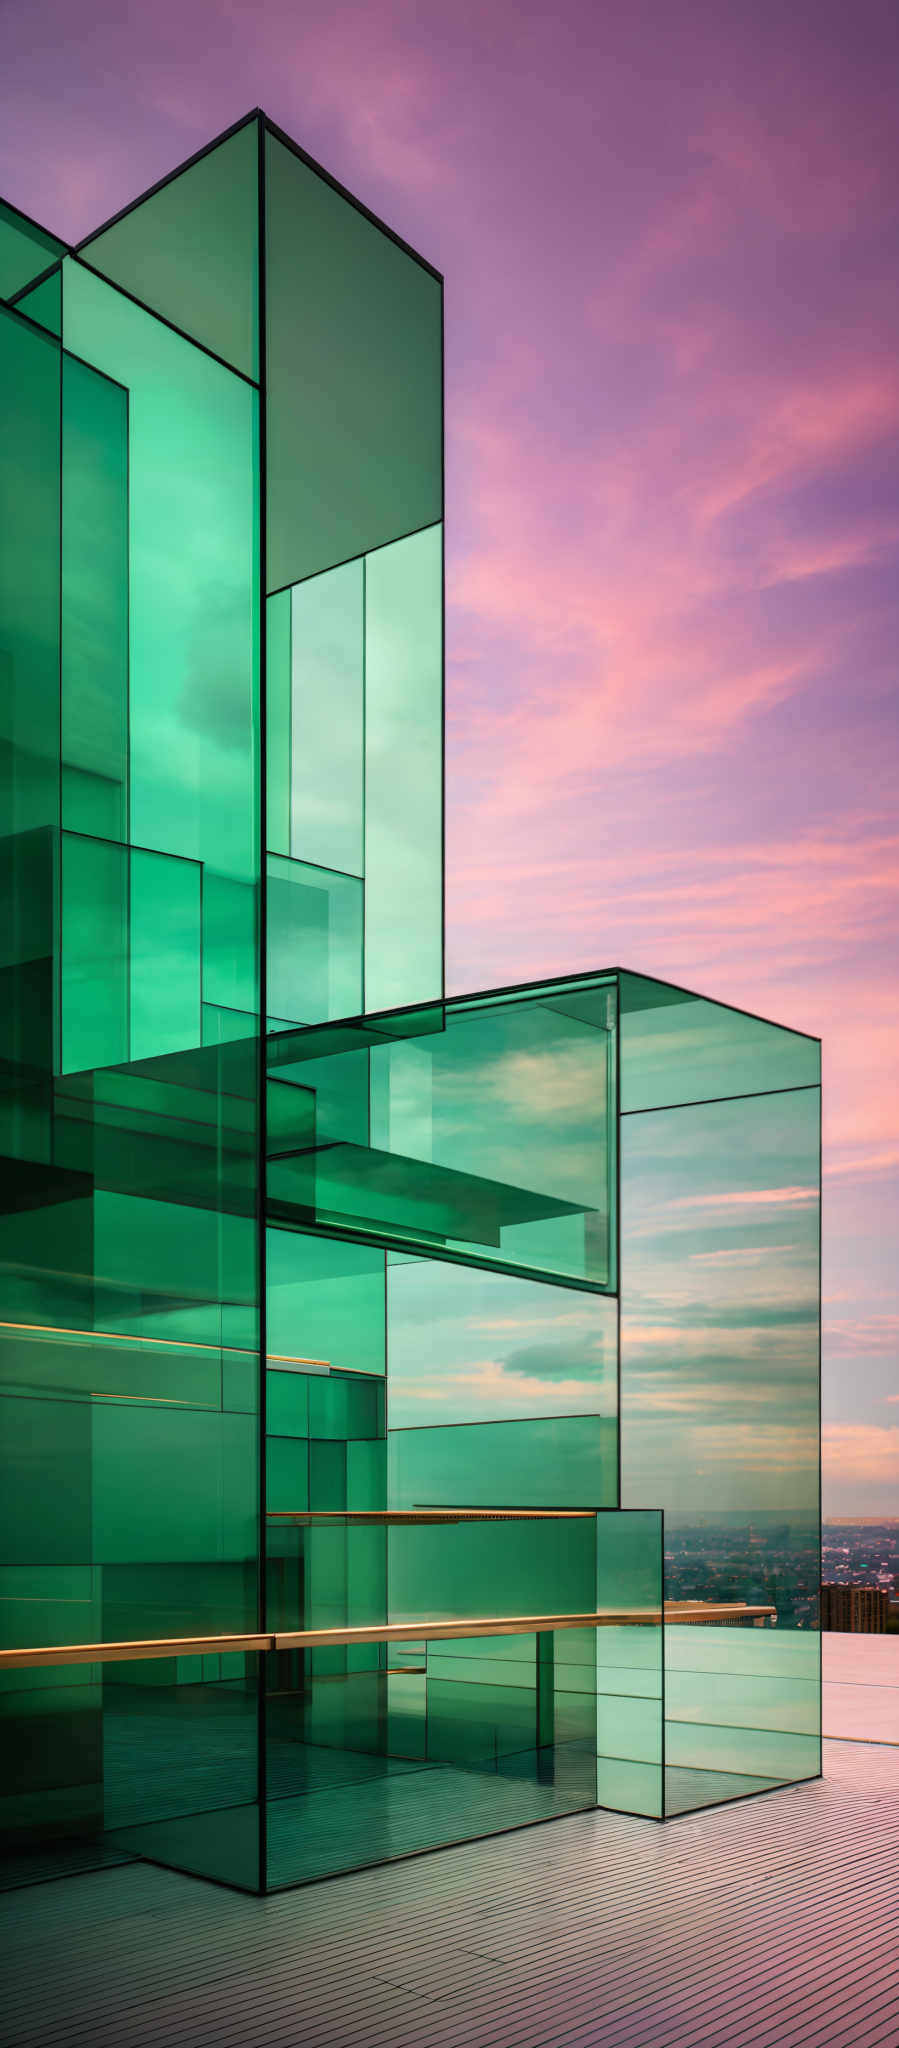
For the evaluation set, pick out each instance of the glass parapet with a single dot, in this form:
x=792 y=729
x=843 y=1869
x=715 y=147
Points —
x=393 y=1747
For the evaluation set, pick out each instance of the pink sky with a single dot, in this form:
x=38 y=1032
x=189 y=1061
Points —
x=669 y=235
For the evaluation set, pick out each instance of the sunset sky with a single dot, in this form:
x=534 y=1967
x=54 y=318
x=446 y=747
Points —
x=669 y=236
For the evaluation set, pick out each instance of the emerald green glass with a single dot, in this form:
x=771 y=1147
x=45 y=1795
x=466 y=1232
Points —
x=492 y=1138
x=94 y=724
x=679 y=1048
x=278 y=686
x=550 y=1461
x=425 y=1196
x=193 y=568
x=327 y=737
x=630 y=1675
x=353 y=334
x=467 y=1346
x=315 y=923
x=720 y=1384
x=43 y=301
x=25 y=250
x=404 y=772
x=165 y=935
x=30 y=572
x=446 y=1739
x=189 y=250
x=94 y=1007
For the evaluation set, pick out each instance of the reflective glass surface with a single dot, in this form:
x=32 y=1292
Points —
x=489 y=1134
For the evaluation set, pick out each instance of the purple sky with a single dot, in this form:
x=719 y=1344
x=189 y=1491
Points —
x=670 y=234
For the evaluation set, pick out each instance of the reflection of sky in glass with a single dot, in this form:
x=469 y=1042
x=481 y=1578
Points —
x=719 y=1318
x=469 y=1346
x=193 y=598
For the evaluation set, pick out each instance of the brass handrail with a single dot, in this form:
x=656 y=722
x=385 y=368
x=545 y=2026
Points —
x=381 y=1517
x=377 y=1632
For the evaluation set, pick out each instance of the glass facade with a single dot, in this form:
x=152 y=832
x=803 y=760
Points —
x=408 y=1404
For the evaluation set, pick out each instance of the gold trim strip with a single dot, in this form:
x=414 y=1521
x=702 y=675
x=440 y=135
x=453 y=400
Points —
x=402 y=1516
x=378 y=1632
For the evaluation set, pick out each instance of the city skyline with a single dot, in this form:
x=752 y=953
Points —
x=672 y=517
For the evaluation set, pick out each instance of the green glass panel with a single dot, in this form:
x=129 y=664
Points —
x=193 y=566
x=189 y=250
x=51 y=1769
x=43 y=302
x=165 y=918
x=679 y=1048
x=28 y=943
x=230 y=973
x=287 y=1476
x=25 y=250
x=325 y=1301
x=94 y=954
x=94 y=728
x=720 y=1393
x=492 y=1139
x=353 y=331
x=404 y=772
x=452 y=1571
x=287 y=1402
x=29 y=574
x=451 y=1740
x=314 y=942
x=326 y=729
x=469 y=1346
x=553 y=1461
x=277 y=715
x=629 y=1663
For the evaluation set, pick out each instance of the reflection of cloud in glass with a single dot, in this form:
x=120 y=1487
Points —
x=720 y=1324
x=466 y=1345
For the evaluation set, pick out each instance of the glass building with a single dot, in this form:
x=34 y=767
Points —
x=409 y=1404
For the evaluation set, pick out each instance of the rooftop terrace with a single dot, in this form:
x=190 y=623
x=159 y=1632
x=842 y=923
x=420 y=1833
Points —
x=769 y=1925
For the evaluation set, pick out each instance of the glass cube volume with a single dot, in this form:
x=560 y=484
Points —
x=478 y=1335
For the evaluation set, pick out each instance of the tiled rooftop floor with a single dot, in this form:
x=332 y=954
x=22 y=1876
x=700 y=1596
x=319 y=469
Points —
x=861 y=1687
x=768 y=1924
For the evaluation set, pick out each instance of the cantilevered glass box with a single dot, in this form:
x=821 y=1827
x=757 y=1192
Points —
x=409 y=1403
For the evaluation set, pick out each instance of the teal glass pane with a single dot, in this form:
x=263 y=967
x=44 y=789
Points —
x=230 y=972
x=552 y=1461
x=94 y=952
x=327 y=737
x=25 y=250
x=679 y=1048
x=193 y=567
x=325 y=1302
x=353 y=330
x=720 y=1390
x=189 y=250
x=164 y=929
x=29 y=574
x=436 y=1742
x=470 y=1346
x=404 y=772
x=277 y=716
x=491 y=1139
x=629 y=1663
x=94 y=719
x=315 y=923
x=43 y=301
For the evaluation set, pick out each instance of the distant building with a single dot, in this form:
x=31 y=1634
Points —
x=855 y=1610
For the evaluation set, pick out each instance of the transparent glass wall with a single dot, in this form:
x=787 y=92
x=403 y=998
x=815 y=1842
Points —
x=720 y=1379
x=485 y=1129
x=129 y=1347
x=451 y=1436
x=380 y=1751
